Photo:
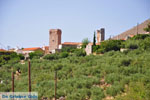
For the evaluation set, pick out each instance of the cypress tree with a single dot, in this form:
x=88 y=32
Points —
x=94 y=39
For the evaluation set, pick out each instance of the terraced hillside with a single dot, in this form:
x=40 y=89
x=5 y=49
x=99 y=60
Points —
x=114 y=75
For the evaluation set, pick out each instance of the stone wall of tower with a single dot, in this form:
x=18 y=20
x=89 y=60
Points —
x=54 y=39
x=100 y=35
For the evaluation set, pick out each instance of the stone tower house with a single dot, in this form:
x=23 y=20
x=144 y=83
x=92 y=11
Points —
x=100 y=35
x=54 y=39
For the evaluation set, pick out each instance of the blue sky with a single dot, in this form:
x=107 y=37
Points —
x=26 y=23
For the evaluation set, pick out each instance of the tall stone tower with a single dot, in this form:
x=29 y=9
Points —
x=100 y=35
x=54 y=39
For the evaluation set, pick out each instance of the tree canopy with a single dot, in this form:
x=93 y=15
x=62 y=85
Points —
x=85 y=41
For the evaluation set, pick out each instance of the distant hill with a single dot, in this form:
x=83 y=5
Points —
x=133 y=31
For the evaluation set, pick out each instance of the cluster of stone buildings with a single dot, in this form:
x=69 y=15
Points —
x=55 y=44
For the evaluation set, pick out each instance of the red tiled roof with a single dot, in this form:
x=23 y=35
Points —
x=71 y=43
x=46 y=47
x=128 y=36
x=123 y=39
x=31 y=49
x=2 y=50
x=92 y=43
x=131 y=35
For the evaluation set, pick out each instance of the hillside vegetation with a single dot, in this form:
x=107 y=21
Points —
x=114 y=75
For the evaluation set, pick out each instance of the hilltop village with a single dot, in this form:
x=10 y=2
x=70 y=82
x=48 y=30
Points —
x=55 y=44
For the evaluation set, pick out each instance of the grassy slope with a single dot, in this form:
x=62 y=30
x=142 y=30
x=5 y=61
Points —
x=79 y=77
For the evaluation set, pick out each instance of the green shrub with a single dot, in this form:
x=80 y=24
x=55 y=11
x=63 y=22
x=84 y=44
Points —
x=114 y=90
x=58 y=67
x=5 y=53
x=125 y=62
x=132 y=44
x=97 y=93
x=111 y=78
x=145 y=44
x=36 y=54
x=80 y=52
x=100 y=50
x=9 y=57
x=21 y=57
x=51 y=56
x=6 y=57
x=109 y=45
x=95 y=48
x=140 y=37
x=64 y=54
x=85 y=41
x=111 y=53
x=13 y=55
x=73 y=96
x=135 y=91
x=68 y=49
